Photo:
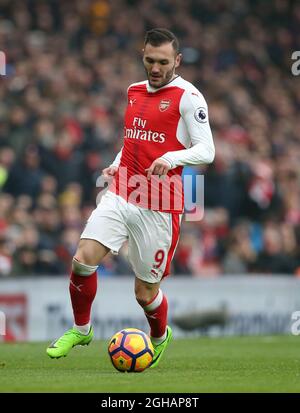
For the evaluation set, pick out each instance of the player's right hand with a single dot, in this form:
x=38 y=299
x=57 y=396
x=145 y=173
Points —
x=110 y=171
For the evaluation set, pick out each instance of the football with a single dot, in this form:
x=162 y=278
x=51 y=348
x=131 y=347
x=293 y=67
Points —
x=130 y=350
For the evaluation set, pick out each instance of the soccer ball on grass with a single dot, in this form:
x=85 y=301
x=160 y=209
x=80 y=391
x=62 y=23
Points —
x=130 y=350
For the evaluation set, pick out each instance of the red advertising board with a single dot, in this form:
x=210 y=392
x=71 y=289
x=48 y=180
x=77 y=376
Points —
x=13 y=308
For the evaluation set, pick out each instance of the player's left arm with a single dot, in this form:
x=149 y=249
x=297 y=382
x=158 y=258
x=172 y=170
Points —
x=194 y=111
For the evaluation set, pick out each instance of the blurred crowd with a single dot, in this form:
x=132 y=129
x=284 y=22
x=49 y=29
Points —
x=61 y=114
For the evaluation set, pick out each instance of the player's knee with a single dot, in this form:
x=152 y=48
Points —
x=143 y=301
x=84 y=256
x=90 y=252
x=144 y=295
x=87 y=252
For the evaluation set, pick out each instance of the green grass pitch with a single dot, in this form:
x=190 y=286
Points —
x=240 y=364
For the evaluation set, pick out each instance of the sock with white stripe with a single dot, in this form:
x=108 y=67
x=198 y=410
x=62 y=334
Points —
x=156 y=312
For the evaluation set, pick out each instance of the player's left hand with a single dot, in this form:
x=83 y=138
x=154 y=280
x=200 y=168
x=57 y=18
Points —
x=158 y=167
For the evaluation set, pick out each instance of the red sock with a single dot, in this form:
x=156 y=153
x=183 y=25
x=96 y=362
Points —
x=157 y=312
x=83 y=291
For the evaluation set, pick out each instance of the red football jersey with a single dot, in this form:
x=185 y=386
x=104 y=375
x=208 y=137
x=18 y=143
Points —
x=161 y=123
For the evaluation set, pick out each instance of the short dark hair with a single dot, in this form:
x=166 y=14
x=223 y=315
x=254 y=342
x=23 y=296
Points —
x=159 y=36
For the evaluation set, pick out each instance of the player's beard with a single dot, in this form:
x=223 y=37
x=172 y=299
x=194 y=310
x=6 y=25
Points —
x=165 y=78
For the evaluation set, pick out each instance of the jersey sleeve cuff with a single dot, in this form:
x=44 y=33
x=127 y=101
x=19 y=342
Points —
x=167 y=159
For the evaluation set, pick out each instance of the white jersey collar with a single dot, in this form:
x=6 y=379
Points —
x=173 y=82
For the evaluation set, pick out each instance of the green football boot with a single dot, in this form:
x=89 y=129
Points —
x=62 y=346
x=160 y=348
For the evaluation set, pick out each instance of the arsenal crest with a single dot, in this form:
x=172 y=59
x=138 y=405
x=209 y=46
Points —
x=164 y=105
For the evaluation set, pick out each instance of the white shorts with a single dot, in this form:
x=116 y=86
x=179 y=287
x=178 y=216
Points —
x=152 y=235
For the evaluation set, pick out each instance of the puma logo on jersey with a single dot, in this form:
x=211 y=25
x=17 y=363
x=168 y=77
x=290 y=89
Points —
x=154 y=272
x=132 y=101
